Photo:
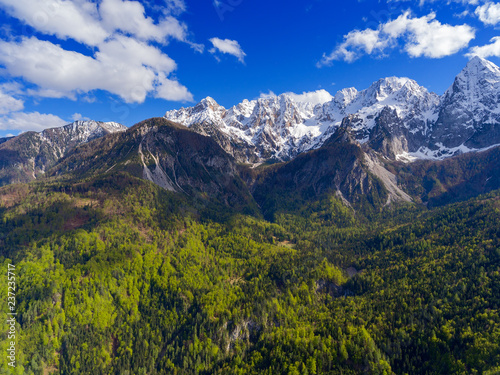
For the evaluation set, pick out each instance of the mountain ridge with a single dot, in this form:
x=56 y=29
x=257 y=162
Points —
x=28 y=156
x=281 y=127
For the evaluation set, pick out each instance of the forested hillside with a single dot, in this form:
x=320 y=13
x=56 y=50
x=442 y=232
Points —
x=119 y=276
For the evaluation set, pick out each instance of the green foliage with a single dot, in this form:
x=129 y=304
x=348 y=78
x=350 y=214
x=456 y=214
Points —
x=117 y=276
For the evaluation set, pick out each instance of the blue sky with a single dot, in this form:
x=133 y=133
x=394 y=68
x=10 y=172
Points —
x=125 y=61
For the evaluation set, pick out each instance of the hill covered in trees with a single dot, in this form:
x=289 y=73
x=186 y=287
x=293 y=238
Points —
x=118 y=275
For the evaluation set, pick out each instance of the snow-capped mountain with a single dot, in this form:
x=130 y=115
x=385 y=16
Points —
x=469 y=112
x=275 y=126
x=29 y=155
x=394 y=116
x=68 y=136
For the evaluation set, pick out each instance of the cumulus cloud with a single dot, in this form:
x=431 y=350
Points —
x=313 y=97
x=231 y=47
x=124 y=66
x=79 y=117
x=123 y=60
x=9 y=103
x=30 y=121
x=175 y=7
x=489 y=13
x=78 y=20
x=269 y=95
x=491 y=49
x=424 y=36
x=88 y=23
x=129 y=17
x=422 y=2
x=171 y=90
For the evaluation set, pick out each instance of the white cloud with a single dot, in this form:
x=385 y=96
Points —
x=30 y=121
x=313 y=97
x=428 y=37
x=231 y=47
x=269 y=95
x=119 y=33
x=357 y=43
x=489 y=13
x=175 y=7
x=492 y=49
x=78 y=20
x=8 y=103
x=49 y=93
x=422 y=2
x=124 y=66
x=424 y=36
x=171 y=90
x=129 y=17
x=79 y=117
x=87 y=23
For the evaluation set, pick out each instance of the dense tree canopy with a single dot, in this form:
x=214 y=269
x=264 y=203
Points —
x=117 y=276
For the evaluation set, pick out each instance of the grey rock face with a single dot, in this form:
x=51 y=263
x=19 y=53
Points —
x=469 y=110
x=29 y=155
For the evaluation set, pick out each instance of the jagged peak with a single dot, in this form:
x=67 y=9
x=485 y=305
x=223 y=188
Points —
x=345 y=96
x=479 y=78
x=77 y=125
x=344 y=133
x=389 y=83
x=478 y=64
x=207 y=102
x=384 y=87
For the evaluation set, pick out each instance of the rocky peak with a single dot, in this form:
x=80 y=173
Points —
x=79 y=132
x=382 y=89
x=207 y=103
x=344 y=97
x=478 y=82
x=425 y=125
x=30 y=154
x=479 y=65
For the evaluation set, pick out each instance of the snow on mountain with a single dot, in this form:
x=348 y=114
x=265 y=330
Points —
x=468 y=116
x=84 y=131
x=68 y=136
x=274 y=126
x=30 y=154
x=395 y=116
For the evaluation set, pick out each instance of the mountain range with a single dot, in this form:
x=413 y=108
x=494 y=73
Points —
x=359 y=235
x=394 y=116
x=29 y=155
x=366 y=147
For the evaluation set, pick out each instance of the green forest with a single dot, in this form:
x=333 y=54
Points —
x=118 y=276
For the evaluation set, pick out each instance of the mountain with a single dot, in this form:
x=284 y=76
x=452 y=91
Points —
x=170 y=155
x=256 y=130
x=29 y=155
x=118 y=275
x=341 y=167
x=395 y=116
x=5 y=139
x=280 y=127
x=454 y=179
x=469 y=112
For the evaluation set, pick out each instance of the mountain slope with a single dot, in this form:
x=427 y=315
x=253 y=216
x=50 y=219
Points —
x=167 y=154
x=469 y=114
x=116 y=275
x=280 y=127
x=437 y=183
x=28 y=156
x=341 y=167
